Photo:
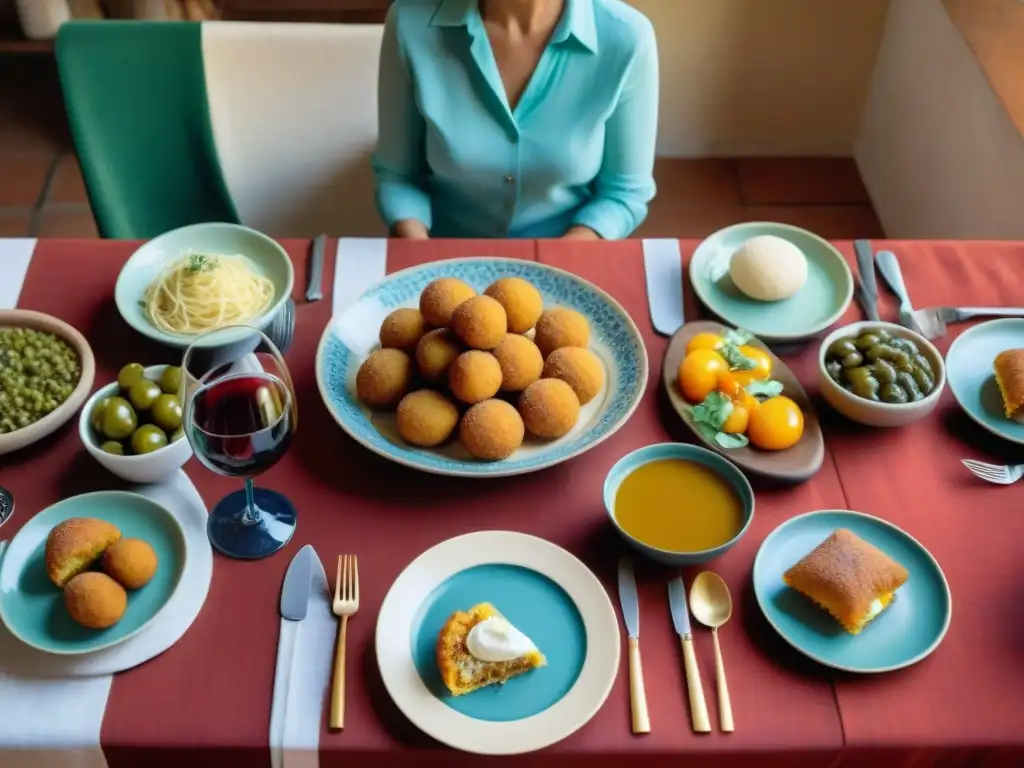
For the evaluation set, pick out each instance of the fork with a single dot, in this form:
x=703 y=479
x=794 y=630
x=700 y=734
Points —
x=346 y=603
x=995 y=473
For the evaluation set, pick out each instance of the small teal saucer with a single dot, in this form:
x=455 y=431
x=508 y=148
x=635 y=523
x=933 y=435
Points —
x=972 y=380
x=31 y=606
x=821 y=302
x=909 y=629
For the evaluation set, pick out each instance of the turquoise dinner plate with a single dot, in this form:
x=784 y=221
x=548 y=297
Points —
x=546 y=593
x=907 y=631
x=816 y=306
x=971 y=377
x=351 y=337
x=32 y=607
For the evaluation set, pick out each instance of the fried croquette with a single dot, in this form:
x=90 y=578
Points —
x=440 y=298
x=522 y=302
x=480 y=322
x=580 y=368
x=474 y=376
x=520 y=360
x=549 y=408
x=384 y=377
x=403 y=329
x=561 y=327
x=129 y=562
x=436 y=352
x=491 y=430
x=426 y=418
x=95 y=600
x=75 y=544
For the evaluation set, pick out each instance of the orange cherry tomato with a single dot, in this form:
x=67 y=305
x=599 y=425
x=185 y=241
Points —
x=736 y=423
x=699 y=372
x=762 y=365
x=703 y=341
x=729 y=385
x=776 y=424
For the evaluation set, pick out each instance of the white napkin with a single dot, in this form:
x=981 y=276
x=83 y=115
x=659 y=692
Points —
x=15 y=256
x=361 y=262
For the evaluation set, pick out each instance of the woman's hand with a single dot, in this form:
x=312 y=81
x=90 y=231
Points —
x=579 y=232
x=410 y=229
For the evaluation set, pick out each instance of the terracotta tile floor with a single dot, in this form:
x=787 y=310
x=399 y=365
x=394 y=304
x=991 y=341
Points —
x=42 y=195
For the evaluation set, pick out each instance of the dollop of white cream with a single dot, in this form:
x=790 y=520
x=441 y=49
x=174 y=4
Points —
x=494 y=639
x=874 y=610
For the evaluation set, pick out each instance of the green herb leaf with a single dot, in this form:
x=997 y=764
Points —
x=737 y=337
x=727 y=440
x=737 y=360
x=764 y=388
x=199 y=262
x=712 y=412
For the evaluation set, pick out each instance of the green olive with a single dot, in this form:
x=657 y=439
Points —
x=863 y=382
x=170 y=380
x=114 y=447
x=853 y=360
x=177 y=434
x=883 y=371
x=867 y=340
x=96 y=417
x=129 y=375
x=143 y=393
x=148 y=438
x=907 y=383
x=840 y=348
x=922 y=362
x=892 y=393
x=835 y=371
x=923 y=379
x=906 y=345
x=166 y=412
x=119 y=419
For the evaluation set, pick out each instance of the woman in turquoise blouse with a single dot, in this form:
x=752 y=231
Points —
x=516 y=118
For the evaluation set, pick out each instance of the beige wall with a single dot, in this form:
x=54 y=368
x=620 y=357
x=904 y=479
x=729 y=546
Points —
x=937 y=150
x=757 y=77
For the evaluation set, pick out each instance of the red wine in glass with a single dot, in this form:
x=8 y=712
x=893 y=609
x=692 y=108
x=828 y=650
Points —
x=241 y=425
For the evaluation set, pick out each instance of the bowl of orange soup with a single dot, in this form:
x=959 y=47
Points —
x=677 y=503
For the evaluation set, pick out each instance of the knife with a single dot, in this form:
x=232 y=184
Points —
x=868 y=286
x=889 y=267
x=295 y=593
x=314 y=285
x=663 y=267
x=631 y=617
x=681 y=621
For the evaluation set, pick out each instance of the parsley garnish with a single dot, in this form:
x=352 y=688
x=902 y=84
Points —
x=199 y=262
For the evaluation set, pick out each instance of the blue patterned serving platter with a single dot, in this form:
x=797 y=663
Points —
x=351 y=336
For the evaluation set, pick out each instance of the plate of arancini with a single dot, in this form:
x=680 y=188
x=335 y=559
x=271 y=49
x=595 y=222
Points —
x=349 y=339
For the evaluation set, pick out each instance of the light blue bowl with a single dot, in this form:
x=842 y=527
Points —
x=33 y=609
x=723 y=467
x=266 y=256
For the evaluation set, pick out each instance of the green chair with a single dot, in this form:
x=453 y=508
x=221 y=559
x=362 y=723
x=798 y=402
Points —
x=136 y=100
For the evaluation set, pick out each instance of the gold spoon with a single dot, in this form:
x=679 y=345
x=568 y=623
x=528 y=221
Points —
x=712 y=606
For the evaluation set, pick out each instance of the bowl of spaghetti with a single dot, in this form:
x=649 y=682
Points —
x=200 y=278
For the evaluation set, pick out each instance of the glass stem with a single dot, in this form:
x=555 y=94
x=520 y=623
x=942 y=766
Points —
x=249 y=515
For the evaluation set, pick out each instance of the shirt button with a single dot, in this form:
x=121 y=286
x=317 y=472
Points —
x=510 y=179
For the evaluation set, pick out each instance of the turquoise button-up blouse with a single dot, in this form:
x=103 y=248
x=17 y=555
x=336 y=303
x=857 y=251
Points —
x=578 y=149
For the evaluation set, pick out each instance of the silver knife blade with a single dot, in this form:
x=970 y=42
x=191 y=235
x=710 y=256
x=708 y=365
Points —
x=677 y=605
x=663 y=267
x=868 y=284
x=315 y=282
x=298 y=581
x=628 y=598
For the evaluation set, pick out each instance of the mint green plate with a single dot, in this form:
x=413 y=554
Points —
x=32 y=608
x=816 y=306
x=972 y=379
x=265 y=256
x=906 y=632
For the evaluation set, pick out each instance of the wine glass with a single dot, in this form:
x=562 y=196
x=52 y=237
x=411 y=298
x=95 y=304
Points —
x=240 y=417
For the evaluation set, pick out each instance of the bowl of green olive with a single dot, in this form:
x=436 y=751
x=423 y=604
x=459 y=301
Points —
x=880 y=374
x=46 y=372
x=133 y=425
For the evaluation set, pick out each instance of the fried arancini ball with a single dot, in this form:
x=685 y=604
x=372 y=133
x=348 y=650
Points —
x=384 y=377
x=440 y=298
x=129 y=562
x=480 y=322
x=95 y=600
x=435 y=353
x=549 y=408
x=403 y=329
x=474 y=376
x=491 y=430
x=561 y=327
x=426 y=418
x=522 y=302
x=580 y=368
x=520 y=360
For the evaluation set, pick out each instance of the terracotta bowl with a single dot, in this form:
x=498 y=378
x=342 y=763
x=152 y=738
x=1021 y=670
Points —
x=18 y=318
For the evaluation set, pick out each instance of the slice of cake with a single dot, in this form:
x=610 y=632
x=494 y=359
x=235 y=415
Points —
x=479 y=647
x=1009 y=368
x=848 y=577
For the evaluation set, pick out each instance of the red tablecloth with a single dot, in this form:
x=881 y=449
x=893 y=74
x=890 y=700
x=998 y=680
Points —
x=207 y=699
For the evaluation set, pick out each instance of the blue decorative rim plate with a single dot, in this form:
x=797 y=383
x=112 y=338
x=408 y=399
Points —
x=349 y=338
x=906 y=632
x=972 y=380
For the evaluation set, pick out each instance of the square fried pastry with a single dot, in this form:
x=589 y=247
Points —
x=851 y=579
x=1009 y=370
